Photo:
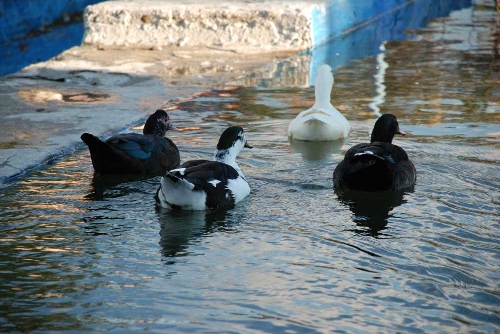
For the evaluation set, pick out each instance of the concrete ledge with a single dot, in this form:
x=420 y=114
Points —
x=247 y=26
x=257 y=26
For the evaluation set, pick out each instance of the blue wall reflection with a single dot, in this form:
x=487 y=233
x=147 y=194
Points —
x=367 y=40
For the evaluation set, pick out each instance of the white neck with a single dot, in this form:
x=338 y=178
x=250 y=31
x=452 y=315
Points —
x=323 y=87
x=228 y=157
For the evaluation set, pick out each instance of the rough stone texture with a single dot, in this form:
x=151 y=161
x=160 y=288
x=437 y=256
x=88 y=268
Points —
x=254 y=27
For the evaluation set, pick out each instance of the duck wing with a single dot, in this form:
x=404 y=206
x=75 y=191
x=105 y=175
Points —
x=387 y=152
x=319 y=124
x=137 y=146
x=106 y=159
x=209 y=177
x=132 y=154
x=204 y=174
x=164 y=156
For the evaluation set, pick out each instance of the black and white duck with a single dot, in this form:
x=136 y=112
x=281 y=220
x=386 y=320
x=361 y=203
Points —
x=205 y=184
x=378 y=165
x=150 y=153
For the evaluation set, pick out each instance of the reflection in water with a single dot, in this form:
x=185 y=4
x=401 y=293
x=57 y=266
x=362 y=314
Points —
x=372 y=209
x=379 y=77
x=178 y=228
x=313 y=151
x=366 y=39
x=101 y=184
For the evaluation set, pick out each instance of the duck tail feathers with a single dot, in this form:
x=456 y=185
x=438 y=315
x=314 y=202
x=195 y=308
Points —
x=94 y=143
x=314 y=119
x=175 y=177
x=89 y=139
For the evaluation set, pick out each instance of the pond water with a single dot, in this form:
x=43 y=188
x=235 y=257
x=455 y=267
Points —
x=99 y=256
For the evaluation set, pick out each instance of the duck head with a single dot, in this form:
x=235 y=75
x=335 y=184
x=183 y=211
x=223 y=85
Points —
x=230 y=144
x=385 y=128
x=158 y=123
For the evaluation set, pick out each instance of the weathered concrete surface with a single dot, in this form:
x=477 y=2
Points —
x=250 y=26
x=247 y=26
x=47 y=106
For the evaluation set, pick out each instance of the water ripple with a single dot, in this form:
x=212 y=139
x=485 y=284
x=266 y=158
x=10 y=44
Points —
x=84 y=254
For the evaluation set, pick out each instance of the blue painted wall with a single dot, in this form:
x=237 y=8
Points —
x=338 y=48
x=341 y=15
x=28 y=33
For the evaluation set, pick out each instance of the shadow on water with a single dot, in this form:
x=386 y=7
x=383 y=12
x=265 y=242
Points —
x=316 y=151
x=372 y=209
x=179 y=228
x=102 y=185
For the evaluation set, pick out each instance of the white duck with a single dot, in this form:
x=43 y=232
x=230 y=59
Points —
x=322 y=121
x=205 y=184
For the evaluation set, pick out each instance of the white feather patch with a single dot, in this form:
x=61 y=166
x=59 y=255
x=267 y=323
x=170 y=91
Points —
x=239 y=188
x=180 y=170
x=181 y=194
x=364 y=153
x=214 y=182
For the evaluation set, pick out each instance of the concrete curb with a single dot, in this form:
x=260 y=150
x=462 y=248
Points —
x=257 y=26
x=249 y=27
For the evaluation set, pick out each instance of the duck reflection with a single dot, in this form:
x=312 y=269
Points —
x=102 y=184
x=316 y=150
x=178 y=228
x=372 y=209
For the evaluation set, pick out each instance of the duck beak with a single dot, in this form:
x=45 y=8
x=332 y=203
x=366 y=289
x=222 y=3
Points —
x=400 y=132
x=166 y=120
x=247 y=145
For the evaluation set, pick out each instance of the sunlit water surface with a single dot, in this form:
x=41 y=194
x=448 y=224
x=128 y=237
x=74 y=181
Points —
x=78 y=255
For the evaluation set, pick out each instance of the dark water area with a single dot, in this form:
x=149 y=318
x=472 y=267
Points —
x=292 y=257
